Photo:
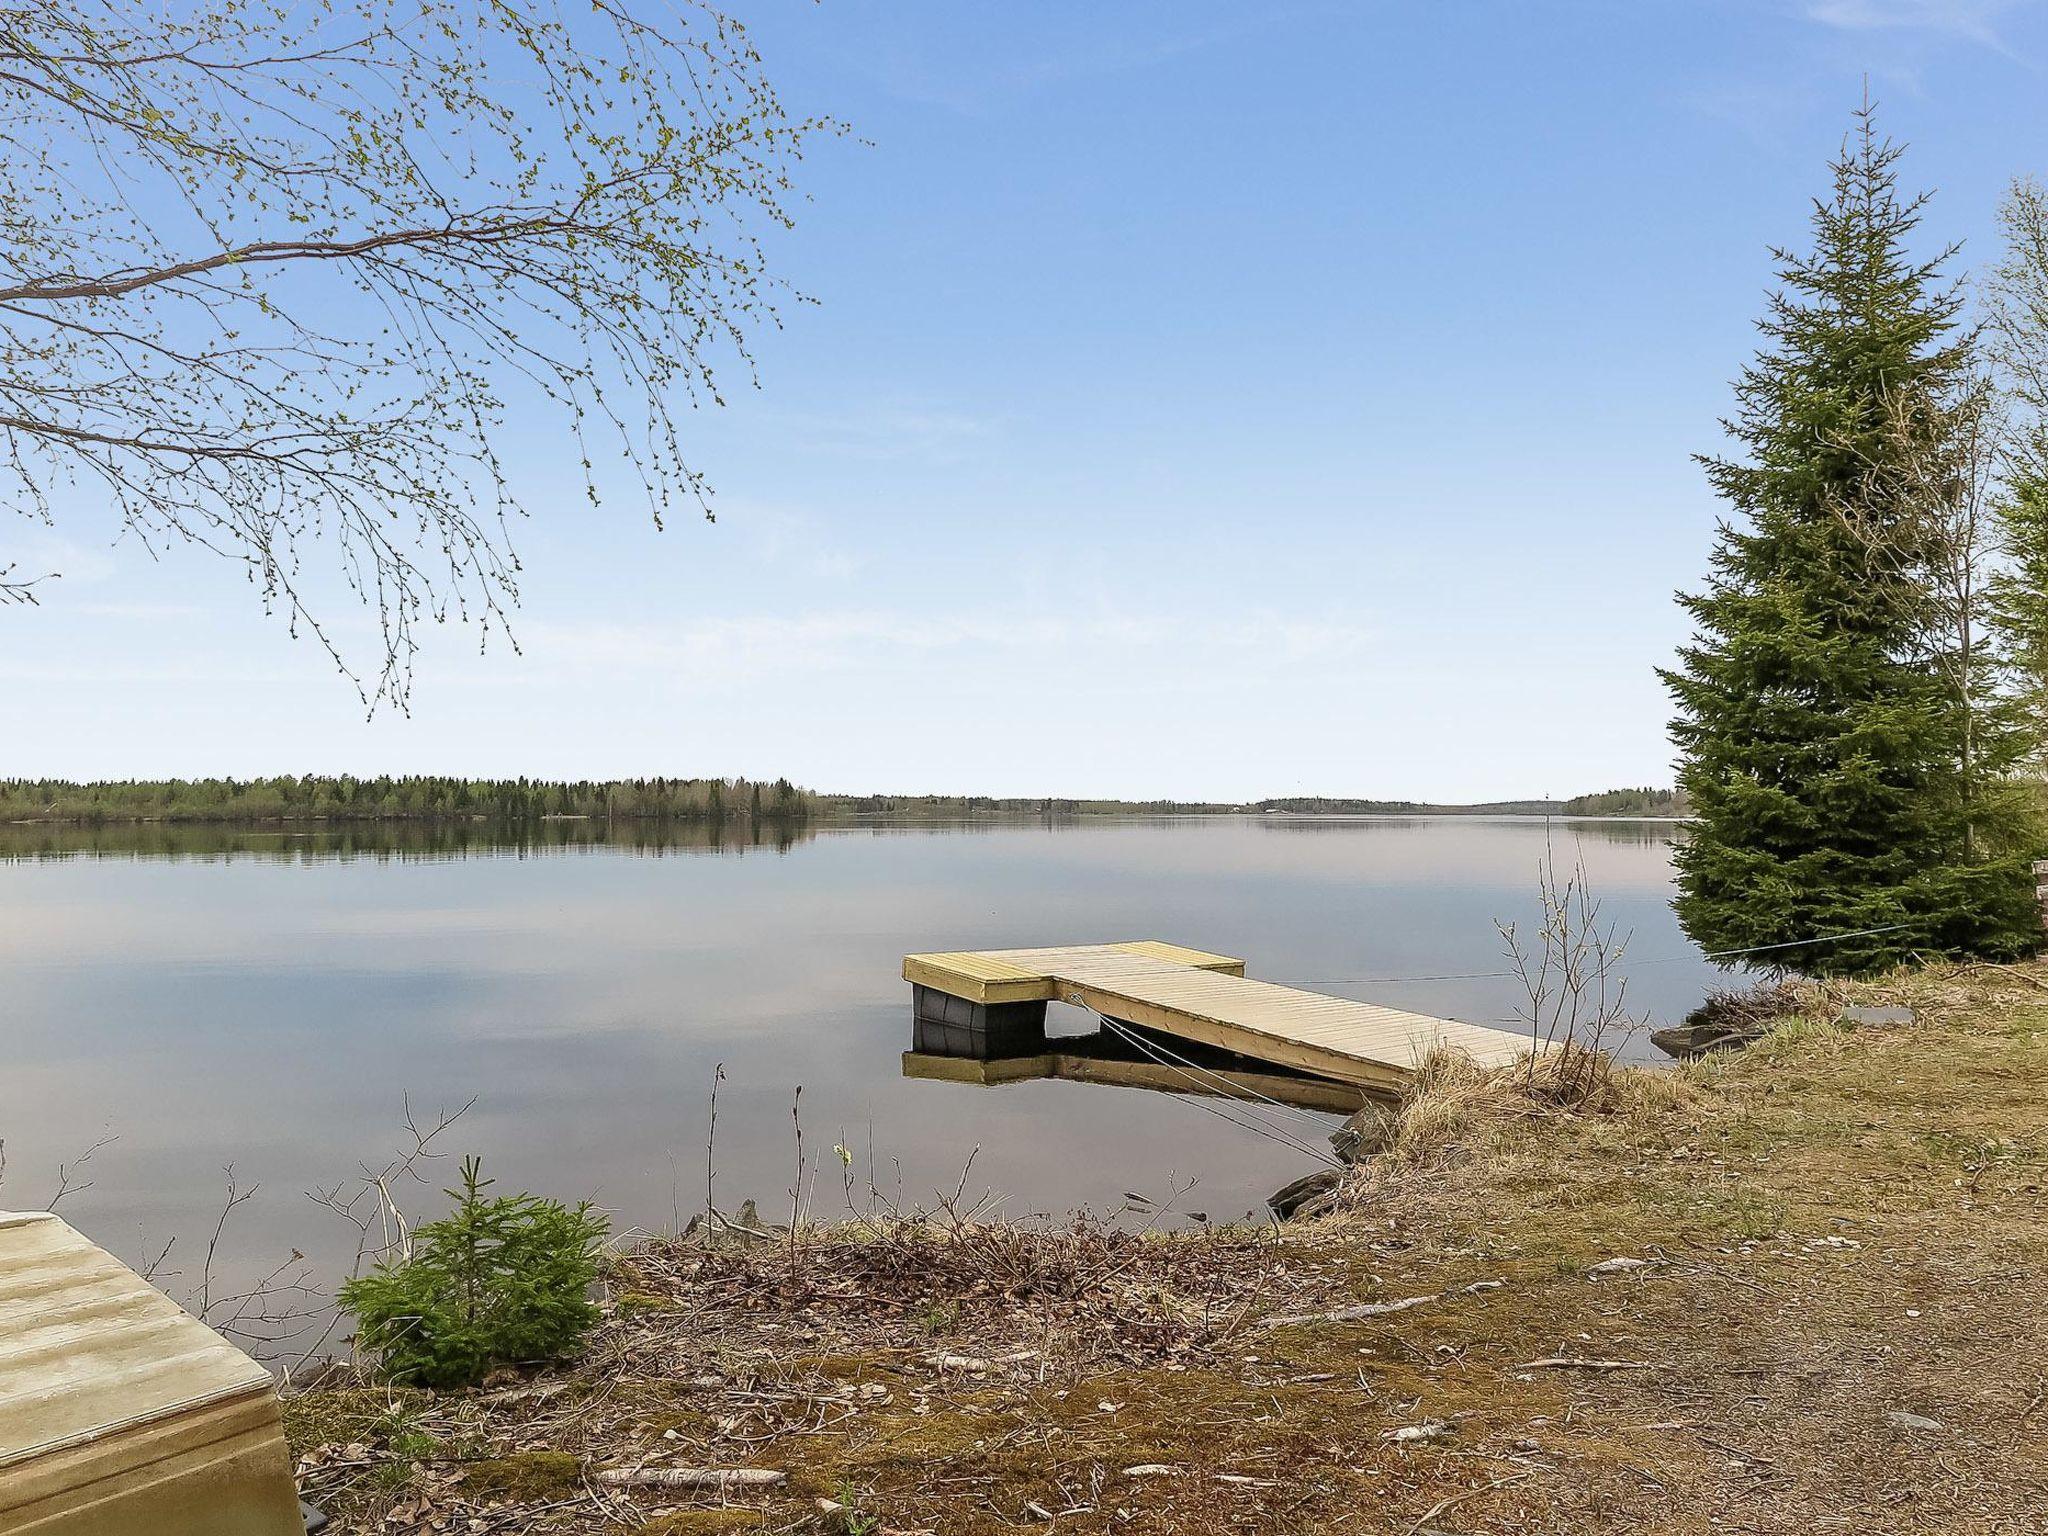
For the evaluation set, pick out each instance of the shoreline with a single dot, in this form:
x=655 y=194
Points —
x=1548 y=1320
x=815 y=818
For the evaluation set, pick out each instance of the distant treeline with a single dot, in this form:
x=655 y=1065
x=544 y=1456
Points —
x=1014 y=805
x=1630 y=802
x=347 y=798
x=1324 y=805
x=317 y=797
x=1613 y=802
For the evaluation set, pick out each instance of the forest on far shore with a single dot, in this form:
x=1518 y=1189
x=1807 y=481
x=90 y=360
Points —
x=345 y=797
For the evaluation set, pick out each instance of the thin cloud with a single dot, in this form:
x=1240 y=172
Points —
x=753 y=647
x=890 y=433
x=1972 y=19
x=796 y=542
x=143 y=610
x=976 y=77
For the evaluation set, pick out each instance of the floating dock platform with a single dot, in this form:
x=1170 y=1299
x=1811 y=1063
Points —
x=990 y=1005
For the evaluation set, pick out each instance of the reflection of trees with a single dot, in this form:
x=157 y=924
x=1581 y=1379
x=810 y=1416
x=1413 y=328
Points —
x=1358 y=823
x=428 y=839
x=1640 y=834
x=395 y=841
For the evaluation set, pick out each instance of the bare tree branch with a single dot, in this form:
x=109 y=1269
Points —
x=1924 y=509
x=22 y=589
x=68 y=1181
x=281 y=282
x=2016 y=297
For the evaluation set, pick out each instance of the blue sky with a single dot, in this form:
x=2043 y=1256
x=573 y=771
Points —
x=1205 y=400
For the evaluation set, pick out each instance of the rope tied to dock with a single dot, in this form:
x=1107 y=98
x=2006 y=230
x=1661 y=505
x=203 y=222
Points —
x=1223 y=1086
x=1257 y=1123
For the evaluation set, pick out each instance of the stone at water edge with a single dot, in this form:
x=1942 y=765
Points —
x=1289 y=1198
x=1696 y=1039
x=1369 y=1130
x=1684 y=1040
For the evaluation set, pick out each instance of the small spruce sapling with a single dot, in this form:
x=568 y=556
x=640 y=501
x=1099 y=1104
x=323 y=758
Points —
x=500 y=1280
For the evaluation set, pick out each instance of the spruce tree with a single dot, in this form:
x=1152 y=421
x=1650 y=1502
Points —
x=1821 y=748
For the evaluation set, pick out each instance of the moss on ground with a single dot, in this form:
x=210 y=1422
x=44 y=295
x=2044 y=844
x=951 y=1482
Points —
x=524 y=1477
x=702 y=1522
x=339 y=1414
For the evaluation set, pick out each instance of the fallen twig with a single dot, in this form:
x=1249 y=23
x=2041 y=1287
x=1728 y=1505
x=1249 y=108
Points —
x=947 y=1362
x=1458 y=1498
x=1621 y=1265
x=1411 y=1434
x=723 y=1479
x=1346 y=1314
x=1993 y=965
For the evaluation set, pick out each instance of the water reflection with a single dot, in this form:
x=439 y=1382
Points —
x=1639 y=831
x=1118 y=1061
x=401 y=841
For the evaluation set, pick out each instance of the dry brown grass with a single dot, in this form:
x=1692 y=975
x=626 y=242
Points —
x=1837 y=1226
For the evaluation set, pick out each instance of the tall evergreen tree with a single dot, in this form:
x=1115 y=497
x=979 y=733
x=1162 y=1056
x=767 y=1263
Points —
x=1823 y=749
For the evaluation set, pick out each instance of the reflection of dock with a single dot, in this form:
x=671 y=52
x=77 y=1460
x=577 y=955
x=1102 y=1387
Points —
x=989 y=1006
x=1094 y=1059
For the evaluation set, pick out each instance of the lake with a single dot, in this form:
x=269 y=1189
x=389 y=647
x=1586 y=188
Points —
x=271 y=999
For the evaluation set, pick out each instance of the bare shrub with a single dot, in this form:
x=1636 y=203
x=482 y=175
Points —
x=1574 y=1003
x=1574 y=1009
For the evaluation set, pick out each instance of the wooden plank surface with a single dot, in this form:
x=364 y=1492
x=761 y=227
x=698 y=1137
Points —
x=1207 y=998
x=1014 y=976
x=89 y=1351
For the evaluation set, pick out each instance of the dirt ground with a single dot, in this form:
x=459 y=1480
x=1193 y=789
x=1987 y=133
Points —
x=1828 y=1319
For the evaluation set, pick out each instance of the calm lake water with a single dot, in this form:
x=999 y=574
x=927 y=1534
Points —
x=271 y=1000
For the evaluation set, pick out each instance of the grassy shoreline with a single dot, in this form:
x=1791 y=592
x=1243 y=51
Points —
x=1835 y=1237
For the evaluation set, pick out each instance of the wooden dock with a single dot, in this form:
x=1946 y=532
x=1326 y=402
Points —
x=1195 y=996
